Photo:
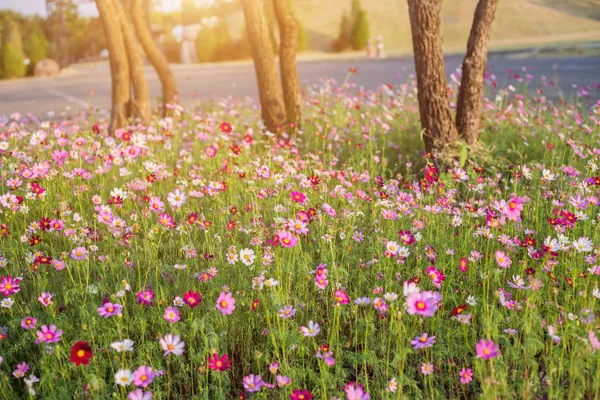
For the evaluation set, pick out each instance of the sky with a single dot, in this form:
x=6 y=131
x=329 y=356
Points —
x=88 y=9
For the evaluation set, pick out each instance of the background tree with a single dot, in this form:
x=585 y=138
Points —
x=288 y=47
x=470 y=97
x=360 y=30
x=119 y=63
x=140 y=103
x=39 y=48
x=344 y=40
x=13 y=59
x=434 y=105
x=156 y=58
x=207 y=44
x=269 y=90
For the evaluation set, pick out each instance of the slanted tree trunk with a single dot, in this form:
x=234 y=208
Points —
x=140 y=104
x=434 y=107
x=119 y=64
x=470 y=97
x=288 y=46
x=269 y=90
x=156 y=58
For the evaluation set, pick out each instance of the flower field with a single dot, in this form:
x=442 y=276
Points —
x=202 y=257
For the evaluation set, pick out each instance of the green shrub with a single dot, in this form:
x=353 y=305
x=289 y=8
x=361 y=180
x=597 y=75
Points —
x=360 y=31
x=343 y=42
x=13 y=60
x=206 y=45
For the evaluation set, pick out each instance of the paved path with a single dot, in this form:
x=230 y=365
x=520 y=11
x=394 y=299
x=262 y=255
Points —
x=42 y=95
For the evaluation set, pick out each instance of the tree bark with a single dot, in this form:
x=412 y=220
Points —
x=119 y=64
x=288 y=47
x=434 y=106
x=269 y=89
x=140 y=104
x=156 y=58
x=470 y=97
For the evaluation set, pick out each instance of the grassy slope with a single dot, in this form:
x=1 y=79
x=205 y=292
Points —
x=518 y=22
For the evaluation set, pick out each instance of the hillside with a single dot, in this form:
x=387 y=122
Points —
x=518 y=22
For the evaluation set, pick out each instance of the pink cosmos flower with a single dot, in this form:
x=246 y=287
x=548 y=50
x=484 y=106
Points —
x=226 y=303
x=143 y=376
x=45 y=299
x=486 y=349
x=109 y=309
x=9 y=285
x=513 y=208
x=79 y=253
x=423 y=304
x=502 y=259
x=311 y=330
x=466 y=375
x=356 y=392
x=342 y=297
x=329 y=210
x=28 y=323
x=48 y=334
x=172 y=314
x=287 y=239
x=380 y=305
x=139 y=394
x=252 y=383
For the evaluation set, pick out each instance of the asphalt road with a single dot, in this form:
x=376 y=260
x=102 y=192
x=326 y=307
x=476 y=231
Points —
x=70 y=92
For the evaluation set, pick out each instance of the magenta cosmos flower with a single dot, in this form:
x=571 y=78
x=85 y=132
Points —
x=423 y=304
x=486 y=349
x=143 y=376
x=109 y=309
x=226 y=303
x=513 y=208
x=48 y=334
x=9 y=285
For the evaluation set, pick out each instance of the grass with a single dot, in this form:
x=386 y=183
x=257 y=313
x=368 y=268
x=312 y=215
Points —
x=518 y=23
x=101 y=208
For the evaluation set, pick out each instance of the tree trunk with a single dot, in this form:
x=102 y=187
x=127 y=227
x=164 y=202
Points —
x=434 y=106
x=140 y=104
x=269 y=89
x=288 y=46
x=156 y=58
x=119 y=65
x=468 y=113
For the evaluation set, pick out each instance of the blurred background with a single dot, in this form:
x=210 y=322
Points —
x=200 y=31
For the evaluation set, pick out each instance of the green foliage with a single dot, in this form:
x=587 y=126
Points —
x=39 y=48
x=13 y=60
x=302 y=36
x=360 y=30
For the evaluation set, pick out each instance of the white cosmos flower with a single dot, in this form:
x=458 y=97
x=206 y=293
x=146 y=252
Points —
x=123 y=377
x=125 y=345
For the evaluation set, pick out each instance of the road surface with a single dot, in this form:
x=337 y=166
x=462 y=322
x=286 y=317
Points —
x=70 y=92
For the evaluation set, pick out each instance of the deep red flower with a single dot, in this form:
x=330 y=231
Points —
x=192 y=298
x=217 y=363
x=81 y=353
x=225 y=127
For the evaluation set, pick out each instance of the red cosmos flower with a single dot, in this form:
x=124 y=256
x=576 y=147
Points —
x=35 y=240
x=192 y=218
x=95 y=129
x=81 y=353
x=255 y=304
x=352 y=70
x=192 y=298
x=217 y=363
x=301 y=395
x=225 y=127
